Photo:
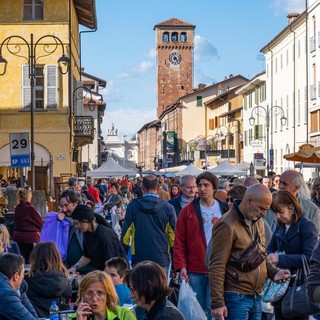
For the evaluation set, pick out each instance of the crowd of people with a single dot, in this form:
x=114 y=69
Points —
x=126 y=237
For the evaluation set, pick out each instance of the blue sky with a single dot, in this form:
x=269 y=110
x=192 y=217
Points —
x=228 y=37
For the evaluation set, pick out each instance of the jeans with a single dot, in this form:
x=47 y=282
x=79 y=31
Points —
x=199 y=283
x=242 y=306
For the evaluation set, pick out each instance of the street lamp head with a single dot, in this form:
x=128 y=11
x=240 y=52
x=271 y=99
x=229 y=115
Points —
x=91 y=104
x=3 y=63
x=64 y=63
x=252 y=120
x=283 y=120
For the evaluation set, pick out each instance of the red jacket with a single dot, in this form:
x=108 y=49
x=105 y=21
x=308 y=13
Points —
x=95 y=193
x=189 y=250
x=28 y=224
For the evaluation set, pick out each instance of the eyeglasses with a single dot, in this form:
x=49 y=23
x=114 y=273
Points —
x=229 y=199
x=60 y=206
x=91 y=294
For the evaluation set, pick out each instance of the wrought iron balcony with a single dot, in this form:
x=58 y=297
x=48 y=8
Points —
x=84 y=130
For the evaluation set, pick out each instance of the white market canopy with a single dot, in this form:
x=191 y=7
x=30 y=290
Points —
x=191 y=170
x=244 y=166
x=110 y=168
x=226 y=169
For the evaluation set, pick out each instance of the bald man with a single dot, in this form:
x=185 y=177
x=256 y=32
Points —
x=235 y=291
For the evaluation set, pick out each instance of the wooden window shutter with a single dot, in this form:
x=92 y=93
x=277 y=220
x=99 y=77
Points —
x=26 y=89
x=52 y=86
x=211 y=124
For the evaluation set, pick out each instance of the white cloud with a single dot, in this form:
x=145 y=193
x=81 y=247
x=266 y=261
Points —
x=127 y=121
x=143 y=68
x=204 y=50
x=152 y=53
x=200 y=77
x=288 y=6
x=111 y=93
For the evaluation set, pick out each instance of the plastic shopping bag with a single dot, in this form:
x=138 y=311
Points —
x=188 y=303
x=56 y=231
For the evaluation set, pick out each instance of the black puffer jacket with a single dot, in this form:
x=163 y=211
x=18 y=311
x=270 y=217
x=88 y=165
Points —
x=46 y=287
x=163 y=309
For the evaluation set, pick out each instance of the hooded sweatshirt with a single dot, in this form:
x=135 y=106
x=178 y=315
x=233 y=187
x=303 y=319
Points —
x=46 y=287
x=149 y=228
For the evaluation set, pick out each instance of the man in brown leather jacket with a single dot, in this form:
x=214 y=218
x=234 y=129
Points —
x=235 y=292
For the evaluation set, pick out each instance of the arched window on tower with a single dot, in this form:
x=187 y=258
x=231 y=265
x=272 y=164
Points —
x=165 y=37
x=183 y=37
x=174 y=37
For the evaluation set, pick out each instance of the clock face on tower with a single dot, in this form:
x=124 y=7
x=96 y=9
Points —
x=174 y=58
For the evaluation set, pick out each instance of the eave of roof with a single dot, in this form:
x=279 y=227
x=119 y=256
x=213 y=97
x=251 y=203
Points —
x=86 y=13
x=288 y=29
x=174 y=22
x=220 y=96
x=148 y=125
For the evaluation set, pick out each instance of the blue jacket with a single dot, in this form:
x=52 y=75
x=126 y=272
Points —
x=301 y=238
x=149 y=227
x=11 y=307
x=176 y=203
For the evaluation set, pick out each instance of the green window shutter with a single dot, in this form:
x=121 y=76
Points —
x=52 y=86
x=26 y=89
x=199 y=101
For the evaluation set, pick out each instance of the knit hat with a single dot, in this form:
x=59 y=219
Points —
x=82 y=213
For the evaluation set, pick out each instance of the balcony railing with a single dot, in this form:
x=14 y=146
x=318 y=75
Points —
x=84 y=130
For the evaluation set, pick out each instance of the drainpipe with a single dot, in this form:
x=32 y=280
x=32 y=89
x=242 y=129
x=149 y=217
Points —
x=70 y=89
x=271 y=100
x=80 y=33
x=294 y=87
x=307 y=73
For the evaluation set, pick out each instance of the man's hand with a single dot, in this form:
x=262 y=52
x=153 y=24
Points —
x=282 y=276
x=219 y=313
x=184 y=274
x=273 y=258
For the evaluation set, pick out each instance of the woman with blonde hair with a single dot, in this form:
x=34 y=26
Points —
x=98 y=300
x=7 y=245
x=28 y=223
x=47 y=279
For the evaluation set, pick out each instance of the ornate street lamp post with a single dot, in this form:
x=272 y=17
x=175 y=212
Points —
x=275 y=110
x=14 y=45
x=81 y=93
x=229 y=131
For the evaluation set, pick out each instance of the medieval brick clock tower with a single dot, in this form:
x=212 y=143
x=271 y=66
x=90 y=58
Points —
x=174 y=43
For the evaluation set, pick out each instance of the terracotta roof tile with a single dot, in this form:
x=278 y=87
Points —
x=174 y=22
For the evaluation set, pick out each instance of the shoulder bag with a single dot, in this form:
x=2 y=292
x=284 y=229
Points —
x=251 y=258
x=296 y=302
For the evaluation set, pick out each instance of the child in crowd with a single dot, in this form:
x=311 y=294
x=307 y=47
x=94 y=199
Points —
x=117 y=268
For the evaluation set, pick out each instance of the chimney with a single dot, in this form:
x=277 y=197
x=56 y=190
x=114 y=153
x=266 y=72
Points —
x=201 y=86
x=292 y=16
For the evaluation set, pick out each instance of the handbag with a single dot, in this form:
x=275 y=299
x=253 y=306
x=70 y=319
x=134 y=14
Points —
x=296 y=302
x=273 y=291
x=56 y=231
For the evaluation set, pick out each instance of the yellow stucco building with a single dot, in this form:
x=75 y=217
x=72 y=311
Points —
x=43 y=31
